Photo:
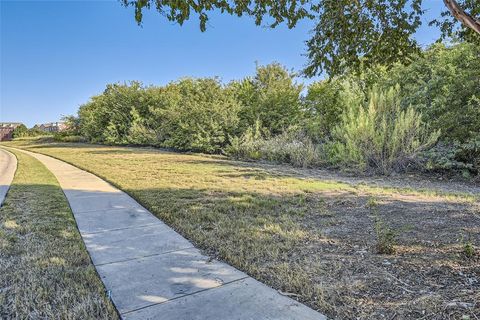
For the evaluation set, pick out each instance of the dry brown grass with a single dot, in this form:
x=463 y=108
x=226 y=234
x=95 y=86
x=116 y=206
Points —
x=308 y=237
x=46 y=272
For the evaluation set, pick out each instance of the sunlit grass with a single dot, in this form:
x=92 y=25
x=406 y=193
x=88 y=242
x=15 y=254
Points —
x=299 y=234
x=46 y=272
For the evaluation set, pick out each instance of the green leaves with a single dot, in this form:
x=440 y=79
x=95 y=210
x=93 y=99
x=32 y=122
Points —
x=272 y=97
x=107 y=117
x=20 y=131
x=349 y=35
x=190 y=114
x=381 y=135
x=288 y=11
x=354 y=34
x=195 y=114
x=384 y=129
x=443 y=84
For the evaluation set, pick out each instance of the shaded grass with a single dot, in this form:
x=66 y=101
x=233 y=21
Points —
x=46 y=272
x=311 y=238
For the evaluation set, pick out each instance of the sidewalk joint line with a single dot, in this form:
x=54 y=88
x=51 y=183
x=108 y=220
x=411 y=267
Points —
x=100 y=210
x=126 y=228
x=102 y=194
x=147 y=256
x=186 y=295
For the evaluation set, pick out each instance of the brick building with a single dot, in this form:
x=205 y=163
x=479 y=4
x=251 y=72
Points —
x=6 y=130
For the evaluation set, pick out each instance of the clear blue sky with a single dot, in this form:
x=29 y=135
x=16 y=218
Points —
x=55 y=55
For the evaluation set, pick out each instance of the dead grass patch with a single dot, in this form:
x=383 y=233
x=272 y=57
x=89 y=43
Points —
x=313 y=239
x=46 y=272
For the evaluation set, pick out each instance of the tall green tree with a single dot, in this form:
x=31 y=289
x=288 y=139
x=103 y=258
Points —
x=326 y=101
x=20 y=131
x=194 y=114
x=348 y=34
x=107 y=117
x=444 y=85
x=272 y=97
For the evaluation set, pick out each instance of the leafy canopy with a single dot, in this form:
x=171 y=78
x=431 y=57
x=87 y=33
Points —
x=271 y=97
x=348 y=34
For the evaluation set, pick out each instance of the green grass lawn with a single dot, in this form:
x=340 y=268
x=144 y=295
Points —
x=46 y=272
x=313 y=239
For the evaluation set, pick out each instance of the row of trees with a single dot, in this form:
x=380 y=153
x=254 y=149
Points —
x=22 y=132
x=192 y=114
x=426 y=113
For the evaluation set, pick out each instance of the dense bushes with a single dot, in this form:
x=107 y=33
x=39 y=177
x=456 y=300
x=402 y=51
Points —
x=458 y=157
x=381 y=135
x=23 y=132
x=325 y=103
x=271 y=97
x=194 y=115
x=20 y=131
x=107 y=118
x=190 y=114
x=378 y=135
x=291 y=146
x=380 y=120
x=444 y=85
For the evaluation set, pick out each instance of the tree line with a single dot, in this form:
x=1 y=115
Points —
x=422 y=116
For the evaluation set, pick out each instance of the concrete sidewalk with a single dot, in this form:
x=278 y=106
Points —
x=151 y=271
x=8 y=166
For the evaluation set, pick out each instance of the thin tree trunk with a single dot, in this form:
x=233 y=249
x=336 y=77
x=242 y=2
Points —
x=459 y=14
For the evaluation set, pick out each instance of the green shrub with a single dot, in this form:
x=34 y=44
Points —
x=271 y=97
x=444 y=85
x=386 y=237
x=20 y=132
x=106 y=118
x=190 y=114
x=468 y=249
x=194 y=114
x=140 y=133
x=380 y=136
x=469 y=153
x=325 y=103
x=455 y=157
x=247 y=146
x=72 y=125
x=71 y=139
x=342 y=119
x=291 y=146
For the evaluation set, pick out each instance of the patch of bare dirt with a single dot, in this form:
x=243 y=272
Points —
x=428 y=276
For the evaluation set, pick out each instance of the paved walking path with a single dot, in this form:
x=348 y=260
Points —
x=151 y=271
x=8 y=165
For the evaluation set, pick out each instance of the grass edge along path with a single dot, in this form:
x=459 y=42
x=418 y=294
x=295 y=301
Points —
x=46 y=271
x=311 y=238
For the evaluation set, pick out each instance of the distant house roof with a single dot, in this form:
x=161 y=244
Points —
x=10 y=124
x=50 y=124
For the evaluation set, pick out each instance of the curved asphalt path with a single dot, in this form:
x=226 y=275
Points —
x=152 y=272
x=8 y=166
